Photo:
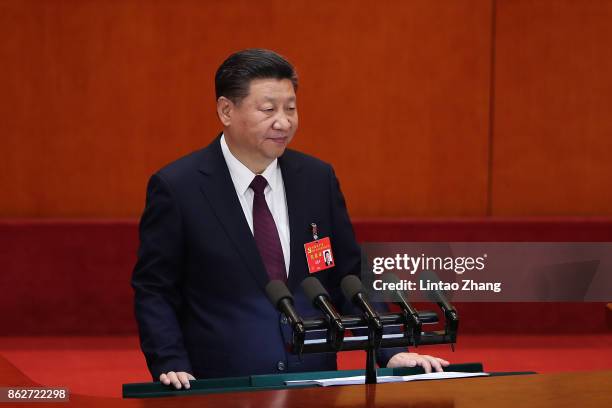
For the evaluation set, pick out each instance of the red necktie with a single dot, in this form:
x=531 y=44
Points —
x=266 y=234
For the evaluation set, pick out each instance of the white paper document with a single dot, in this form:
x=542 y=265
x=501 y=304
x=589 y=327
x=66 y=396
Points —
x=360 y=379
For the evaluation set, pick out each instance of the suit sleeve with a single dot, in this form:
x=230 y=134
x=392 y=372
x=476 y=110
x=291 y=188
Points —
x=156 y=281
x=348 y=258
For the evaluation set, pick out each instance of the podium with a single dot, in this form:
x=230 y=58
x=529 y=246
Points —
x=575 y=389
x=273 y=382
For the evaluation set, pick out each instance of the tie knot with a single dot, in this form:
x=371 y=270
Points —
x=259 y=184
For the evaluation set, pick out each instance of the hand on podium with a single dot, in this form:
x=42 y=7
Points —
x=415 y=359
x=178 y=380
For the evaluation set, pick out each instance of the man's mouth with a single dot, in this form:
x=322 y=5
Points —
x=279 y=140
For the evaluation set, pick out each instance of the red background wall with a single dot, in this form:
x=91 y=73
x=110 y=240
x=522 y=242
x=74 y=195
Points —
x=425 y=108
x=553 y=100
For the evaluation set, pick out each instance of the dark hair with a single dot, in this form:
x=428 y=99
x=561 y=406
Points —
x=234 y=76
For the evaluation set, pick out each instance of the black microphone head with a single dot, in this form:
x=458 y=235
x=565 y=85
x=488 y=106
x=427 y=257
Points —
x=390 y=277
x=432 y=295
x=393 y=295
x=277 y=291
x=431 y=275
x=351 y=286
x=313 y=288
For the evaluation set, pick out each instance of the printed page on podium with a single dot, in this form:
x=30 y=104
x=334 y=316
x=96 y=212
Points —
x=360 y=379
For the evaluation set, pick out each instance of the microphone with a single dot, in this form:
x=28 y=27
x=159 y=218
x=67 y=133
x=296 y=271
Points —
x=320 y=298
x=436 y=295
x=410 y=313
x=451 y=316
x=353 y=290
x=281 y=298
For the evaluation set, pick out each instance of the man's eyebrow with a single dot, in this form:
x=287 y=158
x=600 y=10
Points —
x=271 y=99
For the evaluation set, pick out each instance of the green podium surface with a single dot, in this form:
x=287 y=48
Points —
x=272 y=381
x=585 y=389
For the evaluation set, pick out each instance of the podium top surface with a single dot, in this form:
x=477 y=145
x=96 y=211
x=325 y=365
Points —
x=583 y=389
x=267 y=382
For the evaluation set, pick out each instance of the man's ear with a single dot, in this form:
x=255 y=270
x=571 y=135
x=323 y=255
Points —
x=224 y=110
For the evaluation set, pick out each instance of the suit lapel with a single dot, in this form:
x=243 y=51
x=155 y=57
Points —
x=219 y=190
x=298 y=225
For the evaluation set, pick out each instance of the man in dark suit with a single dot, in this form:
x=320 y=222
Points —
x=327 y=257
x=221 y=222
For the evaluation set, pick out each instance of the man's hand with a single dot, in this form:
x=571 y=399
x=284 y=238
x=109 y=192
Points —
x=414 y=359
x=178 y=380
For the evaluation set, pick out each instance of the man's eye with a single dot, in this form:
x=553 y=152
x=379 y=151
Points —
x=268 y=109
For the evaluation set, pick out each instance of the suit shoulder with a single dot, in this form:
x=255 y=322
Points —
x=307 y=161
x=183 y=167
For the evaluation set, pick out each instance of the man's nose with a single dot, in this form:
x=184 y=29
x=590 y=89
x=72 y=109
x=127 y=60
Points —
x=282 y=122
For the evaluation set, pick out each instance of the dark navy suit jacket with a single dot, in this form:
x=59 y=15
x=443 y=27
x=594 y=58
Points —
x=199 y=280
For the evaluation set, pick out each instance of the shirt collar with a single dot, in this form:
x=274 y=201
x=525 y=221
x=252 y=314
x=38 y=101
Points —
x=242 y=176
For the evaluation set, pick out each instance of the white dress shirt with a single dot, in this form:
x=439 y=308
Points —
x=274 y=193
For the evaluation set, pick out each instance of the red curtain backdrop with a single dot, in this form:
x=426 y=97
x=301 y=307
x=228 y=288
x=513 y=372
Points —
x=424 y=108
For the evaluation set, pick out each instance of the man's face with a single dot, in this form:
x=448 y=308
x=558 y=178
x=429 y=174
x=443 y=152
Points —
x=260 y=127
